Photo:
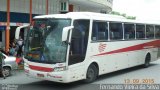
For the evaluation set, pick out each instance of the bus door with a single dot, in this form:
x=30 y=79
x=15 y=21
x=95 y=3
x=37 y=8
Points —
x=78 y=46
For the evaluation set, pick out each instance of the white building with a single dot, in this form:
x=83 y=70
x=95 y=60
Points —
x=104 y=6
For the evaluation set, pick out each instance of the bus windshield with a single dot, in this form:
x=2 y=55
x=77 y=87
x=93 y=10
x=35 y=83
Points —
x=44 y=41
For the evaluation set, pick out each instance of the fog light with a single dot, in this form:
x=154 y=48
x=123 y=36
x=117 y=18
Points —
x=57 y=69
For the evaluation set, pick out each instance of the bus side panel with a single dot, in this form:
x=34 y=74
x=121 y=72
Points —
x=77 y=71
x=105 y=62
x=108 y=62
x=154 y=54
x=119 y=55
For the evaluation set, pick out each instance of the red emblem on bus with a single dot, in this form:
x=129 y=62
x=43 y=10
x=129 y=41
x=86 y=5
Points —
x=102 y=47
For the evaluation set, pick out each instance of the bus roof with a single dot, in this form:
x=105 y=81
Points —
x=96 y=16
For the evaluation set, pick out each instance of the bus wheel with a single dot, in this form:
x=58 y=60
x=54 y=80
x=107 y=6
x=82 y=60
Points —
x=147 y=61
x=92 y=73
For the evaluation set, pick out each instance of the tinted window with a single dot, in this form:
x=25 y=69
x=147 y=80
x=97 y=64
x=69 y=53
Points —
x=0 y=36
x=99 y=31
x=157 y=31
x=149 y=31
x=116 y=31
x=140 y=31
x=79 y=41
x=129 y=31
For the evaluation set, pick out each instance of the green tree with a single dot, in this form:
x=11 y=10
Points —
x=115 y=13
x=123 y=14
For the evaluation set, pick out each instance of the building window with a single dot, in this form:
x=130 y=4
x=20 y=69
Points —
x=116 y=31
x=64 y=6
x=99 y=31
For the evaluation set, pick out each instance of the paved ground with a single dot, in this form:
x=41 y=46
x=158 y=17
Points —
x=18 y=77
x=135 y=75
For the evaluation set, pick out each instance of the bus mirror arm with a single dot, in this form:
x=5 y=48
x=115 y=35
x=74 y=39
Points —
x=66 y=42
x=65 y=33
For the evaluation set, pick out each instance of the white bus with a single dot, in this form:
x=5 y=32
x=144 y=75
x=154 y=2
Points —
x=83 y=45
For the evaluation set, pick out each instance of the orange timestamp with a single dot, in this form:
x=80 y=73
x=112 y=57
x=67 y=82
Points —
x=139 y=81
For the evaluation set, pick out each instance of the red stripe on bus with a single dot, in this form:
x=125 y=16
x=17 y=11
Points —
x=38 y=68
x=152 y=44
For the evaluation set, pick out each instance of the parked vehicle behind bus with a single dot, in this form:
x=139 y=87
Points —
x=9 y=64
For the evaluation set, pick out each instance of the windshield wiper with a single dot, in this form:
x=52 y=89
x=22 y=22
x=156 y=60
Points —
x=56 y=62
x=35 y=48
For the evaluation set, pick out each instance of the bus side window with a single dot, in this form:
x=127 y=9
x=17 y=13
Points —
x=149 y=31
x=116 y=31
x=129 y=31
x=99 y=31
x=140 y=31
x=157 y=31
x=0 y=36
x=94 y=32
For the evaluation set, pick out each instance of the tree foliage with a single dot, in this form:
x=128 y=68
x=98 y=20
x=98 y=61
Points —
x=123 y=14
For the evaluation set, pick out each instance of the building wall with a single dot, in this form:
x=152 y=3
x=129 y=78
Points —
x=92 y=5
x=2 y=27
x=107 y=3
x=21 y=9
x=3 y=6
x=2 y=44
x=54 y=6
x=3 y=39
x=38 y=6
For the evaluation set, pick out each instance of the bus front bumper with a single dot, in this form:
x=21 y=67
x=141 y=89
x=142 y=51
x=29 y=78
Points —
x=60 y=76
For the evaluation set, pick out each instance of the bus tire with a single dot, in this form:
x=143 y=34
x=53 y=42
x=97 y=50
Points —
x=92 y=73
x=147 y=61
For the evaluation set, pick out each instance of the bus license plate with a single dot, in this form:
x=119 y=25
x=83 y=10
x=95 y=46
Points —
x=40 y=75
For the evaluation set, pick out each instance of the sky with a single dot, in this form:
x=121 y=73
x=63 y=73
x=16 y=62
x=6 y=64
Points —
x=142 y=9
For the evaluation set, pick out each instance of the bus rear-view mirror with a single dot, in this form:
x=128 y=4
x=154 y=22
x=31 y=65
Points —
x=65 y=33
x=18 y=30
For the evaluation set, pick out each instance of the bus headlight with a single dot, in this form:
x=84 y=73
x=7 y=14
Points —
x=57 y=69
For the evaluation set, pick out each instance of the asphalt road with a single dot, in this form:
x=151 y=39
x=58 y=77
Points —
x=135 y=75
